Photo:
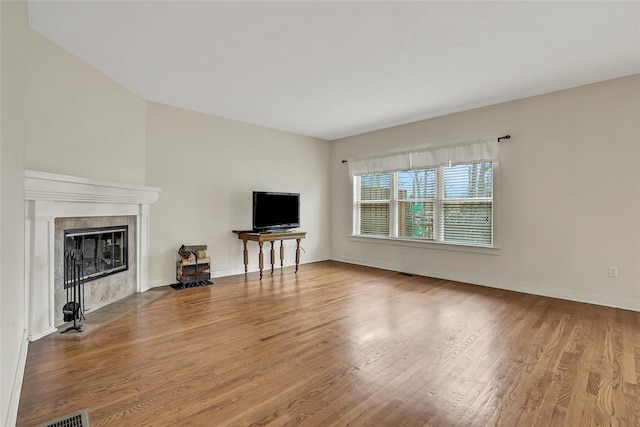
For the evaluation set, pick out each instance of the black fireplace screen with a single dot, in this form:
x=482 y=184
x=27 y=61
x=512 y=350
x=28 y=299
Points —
x=104 y=249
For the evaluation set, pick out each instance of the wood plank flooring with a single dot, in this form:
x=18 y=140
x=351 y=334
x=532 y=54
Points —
x=337 y=345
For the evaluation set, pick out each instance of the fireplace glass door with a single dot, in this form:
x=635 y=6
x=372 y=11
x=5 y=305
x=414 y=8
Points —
x=104 y=250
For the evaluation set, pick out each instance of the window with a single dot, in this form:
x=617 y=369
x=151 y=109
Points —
x=451 y=204
x=374 y=196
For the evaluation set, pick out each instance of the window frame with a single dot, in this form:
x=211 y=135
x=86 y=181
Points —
x=438 y=231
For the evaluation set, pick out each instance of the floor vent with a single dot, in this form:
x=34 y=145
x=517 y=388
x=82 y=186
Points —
x=79 y=419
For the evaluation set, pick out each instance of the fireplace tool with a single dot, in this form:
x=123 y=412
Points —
x=74 y=284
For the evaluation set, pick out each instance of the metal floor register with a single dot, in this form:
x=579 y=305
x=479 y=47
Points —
x=79 y=419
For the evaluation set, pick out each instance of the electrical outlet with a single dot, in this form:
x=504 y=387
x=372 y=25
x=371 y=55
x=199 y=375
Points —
x=613 y=271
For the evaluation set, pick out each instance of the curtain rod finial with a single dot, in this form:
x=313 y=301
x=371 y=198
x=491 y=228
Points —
x=504 y=137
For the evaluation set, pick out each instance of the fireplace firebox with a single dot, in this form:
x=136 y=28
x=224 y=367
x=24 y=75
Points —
x=104 y=250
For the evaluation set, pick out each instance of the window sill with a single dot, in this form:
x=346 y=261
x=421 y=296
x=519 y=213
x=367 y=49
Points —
x=424 y=244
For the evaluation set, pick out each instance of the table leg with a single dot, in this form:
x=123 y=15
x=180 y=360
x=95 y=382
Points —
x=297 y=253
x=246 y=256
x=260 y=260
x=273 y=257
x=281 y=254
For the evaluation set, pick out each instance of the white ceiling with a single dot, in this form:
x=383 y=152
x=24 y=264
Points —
x=331 y=69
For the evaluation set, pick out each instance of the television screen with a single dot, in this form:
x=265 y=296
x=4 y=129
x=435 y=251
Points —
x=275 y=211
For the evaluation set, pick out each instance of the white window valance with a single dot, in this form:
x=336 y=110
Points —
x=479 y=150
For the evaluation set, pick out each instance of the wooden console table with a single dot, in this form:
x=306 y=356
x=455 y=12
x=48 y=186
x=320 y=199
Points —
x=245 y=236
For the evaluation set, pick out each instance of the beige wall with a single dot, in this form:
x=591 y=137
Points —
x=568 y=205
x=13 y=294
x=81 y=122
x=208 y=167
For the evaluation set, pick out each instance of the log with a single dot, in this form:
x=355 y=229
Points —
x=189 y=274
x=194 y=248
x=192 y=261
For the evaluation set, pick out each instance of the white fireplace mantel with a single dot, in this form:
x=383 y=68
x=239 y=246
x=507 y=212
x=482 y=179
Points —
x=49 y=196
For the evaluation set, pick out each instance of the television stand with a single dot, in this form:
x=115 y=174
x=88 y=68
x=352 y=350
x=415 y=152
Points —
x=271 y=237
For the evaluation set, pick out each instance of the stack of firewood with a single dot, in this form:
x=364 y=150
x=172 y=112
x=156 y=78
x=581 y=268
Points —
x=194 y=265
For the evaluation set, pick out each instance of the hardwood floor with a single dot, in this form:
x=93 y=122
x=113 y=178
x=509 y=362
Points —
x=340 y=345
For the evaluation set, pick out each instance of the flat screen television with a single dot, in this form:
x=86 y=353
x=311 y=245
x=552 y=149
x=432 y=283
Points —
x=274 y=212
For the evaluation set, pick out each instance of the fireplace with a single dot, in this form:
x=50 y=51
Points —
x=104 y=250
x=55 y=203
x=109 y=265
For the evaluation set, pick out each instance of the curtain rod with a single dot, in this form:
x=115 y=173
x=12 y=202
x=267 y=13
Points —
x=500 y=138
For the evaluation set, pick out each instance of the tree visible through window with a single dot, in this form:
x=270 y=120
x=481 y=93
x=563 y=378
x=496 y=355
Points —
x=416 y=201
x=447 y=204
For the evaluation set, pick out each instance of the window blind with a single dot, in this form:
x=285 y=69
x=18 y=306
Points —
x=467 y=203
x=374 y=204
x=466 y=199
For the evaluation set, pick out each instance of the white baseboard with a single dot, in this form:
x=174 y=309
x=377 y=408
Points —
x=42 y=333
x=231 y=272
x=16 y=386
x=267 y=268
x=585 y=297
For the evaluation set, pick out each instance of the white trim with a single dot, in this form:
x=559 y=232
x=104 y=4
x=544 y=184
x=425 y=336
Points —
x=65 y=188
x=426 y=244
x=42 y=333
x=565 y=294
x=16 y=386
